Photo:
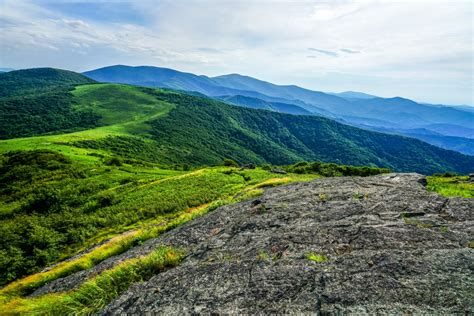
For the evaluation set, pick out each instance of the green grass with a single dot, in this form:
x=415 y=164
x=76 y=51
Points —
x=126 y=105
x=317 y=257
x=96 y=293
x=451 y=186
x=124 y=111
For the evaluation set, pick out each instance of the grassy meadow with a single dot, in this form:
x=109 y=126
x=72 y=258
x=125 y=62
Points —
x=451 y=186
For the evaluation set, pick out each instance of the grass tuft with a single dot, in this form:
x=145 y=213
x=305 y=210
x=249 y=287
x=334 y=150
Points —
x=451 y=186
x=96 y=293
x=317 y=257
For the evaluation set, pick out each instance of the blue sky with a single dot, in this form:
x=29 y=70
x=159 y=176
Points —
x=417 y=49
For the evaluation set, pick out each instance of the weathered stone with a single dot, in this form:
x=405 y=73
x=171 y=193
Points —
x=248 y=166
x=278 y=171
x=398 y=250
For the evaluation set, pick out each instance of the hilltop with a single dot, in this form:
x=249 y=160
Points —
x=21 y=82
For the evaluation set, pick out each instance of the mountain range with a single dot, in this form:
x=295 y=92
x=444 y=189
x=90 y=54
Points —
x=444 y=126
x=74 y=112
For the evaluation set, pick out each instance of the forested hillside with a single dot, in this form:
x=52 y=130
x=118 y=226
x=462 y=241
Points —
x=39 y=101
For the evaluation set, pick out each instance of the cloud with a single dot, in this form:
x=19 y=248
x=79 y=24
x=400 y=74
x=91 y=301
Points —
x=323 y=51
x=327 y=11
x=75 y=24
x=349 y=51
x=265 y=39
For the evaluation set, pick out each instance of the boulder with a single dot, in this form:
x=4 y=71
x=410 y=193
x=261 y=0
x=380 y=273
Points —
x=278 y=171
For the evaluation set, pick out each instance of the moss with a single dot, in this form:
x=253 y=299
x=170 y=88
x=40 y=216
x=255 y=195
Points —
x=323 y=197
x=317 y=257
x=416 y=222
x=444 y=229
x=263 y=255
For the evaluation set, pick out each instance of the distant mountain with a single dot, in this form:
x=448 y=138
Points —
x=6 y=69
x=353 y=95
x=354 y=108
x=460 y=144
x=464 y=108
x=452 y=130
x=255 y=103
x=321 y=100
x=408 y=114
x=160 y=78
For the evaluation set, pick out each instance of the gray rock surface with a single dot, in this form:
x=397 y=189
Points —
x=391 y=247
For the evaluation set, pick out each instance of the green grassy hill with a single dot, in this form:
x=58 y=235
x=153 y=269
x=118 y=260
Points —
x=32 y=81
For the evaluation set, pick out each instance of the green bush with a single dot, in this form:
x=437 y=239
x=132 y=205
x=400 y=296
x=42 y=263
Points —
x=333 y=170
x=114 y=161
x=230 y=163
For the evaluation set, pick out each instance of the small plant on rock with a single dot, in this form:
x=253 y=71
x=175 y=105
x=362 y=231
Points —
x=317 y=257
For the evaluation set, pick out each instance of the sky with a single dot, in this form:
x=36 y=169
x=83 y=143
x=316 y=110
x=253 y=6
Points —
x=417 y=49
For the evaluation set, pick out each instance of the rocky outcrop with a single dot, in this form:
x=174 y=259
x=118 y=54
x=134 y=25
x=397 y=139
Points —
x=379 y=244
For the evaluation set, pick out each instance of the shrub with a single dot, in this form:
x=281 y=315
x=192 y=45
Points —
x=267 y=167
x=230 y=163
x=114 y=161
x=107 y=199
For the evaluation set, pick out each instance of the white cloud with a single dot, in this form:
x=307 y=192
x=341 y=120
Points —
x=76 y=24
x=427 y=44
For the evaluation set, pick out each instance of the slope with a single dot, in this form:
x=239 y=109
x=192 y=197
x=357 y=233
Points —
x=255 y=103
x=211 y=130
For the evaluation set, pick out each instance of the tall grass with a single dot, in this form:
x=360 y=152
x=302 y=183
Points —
x=96 y=293
x=451 y=186
x=114 y=247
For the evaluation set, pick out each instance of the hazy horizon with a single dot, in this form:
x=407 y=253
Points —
x=421 y=50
